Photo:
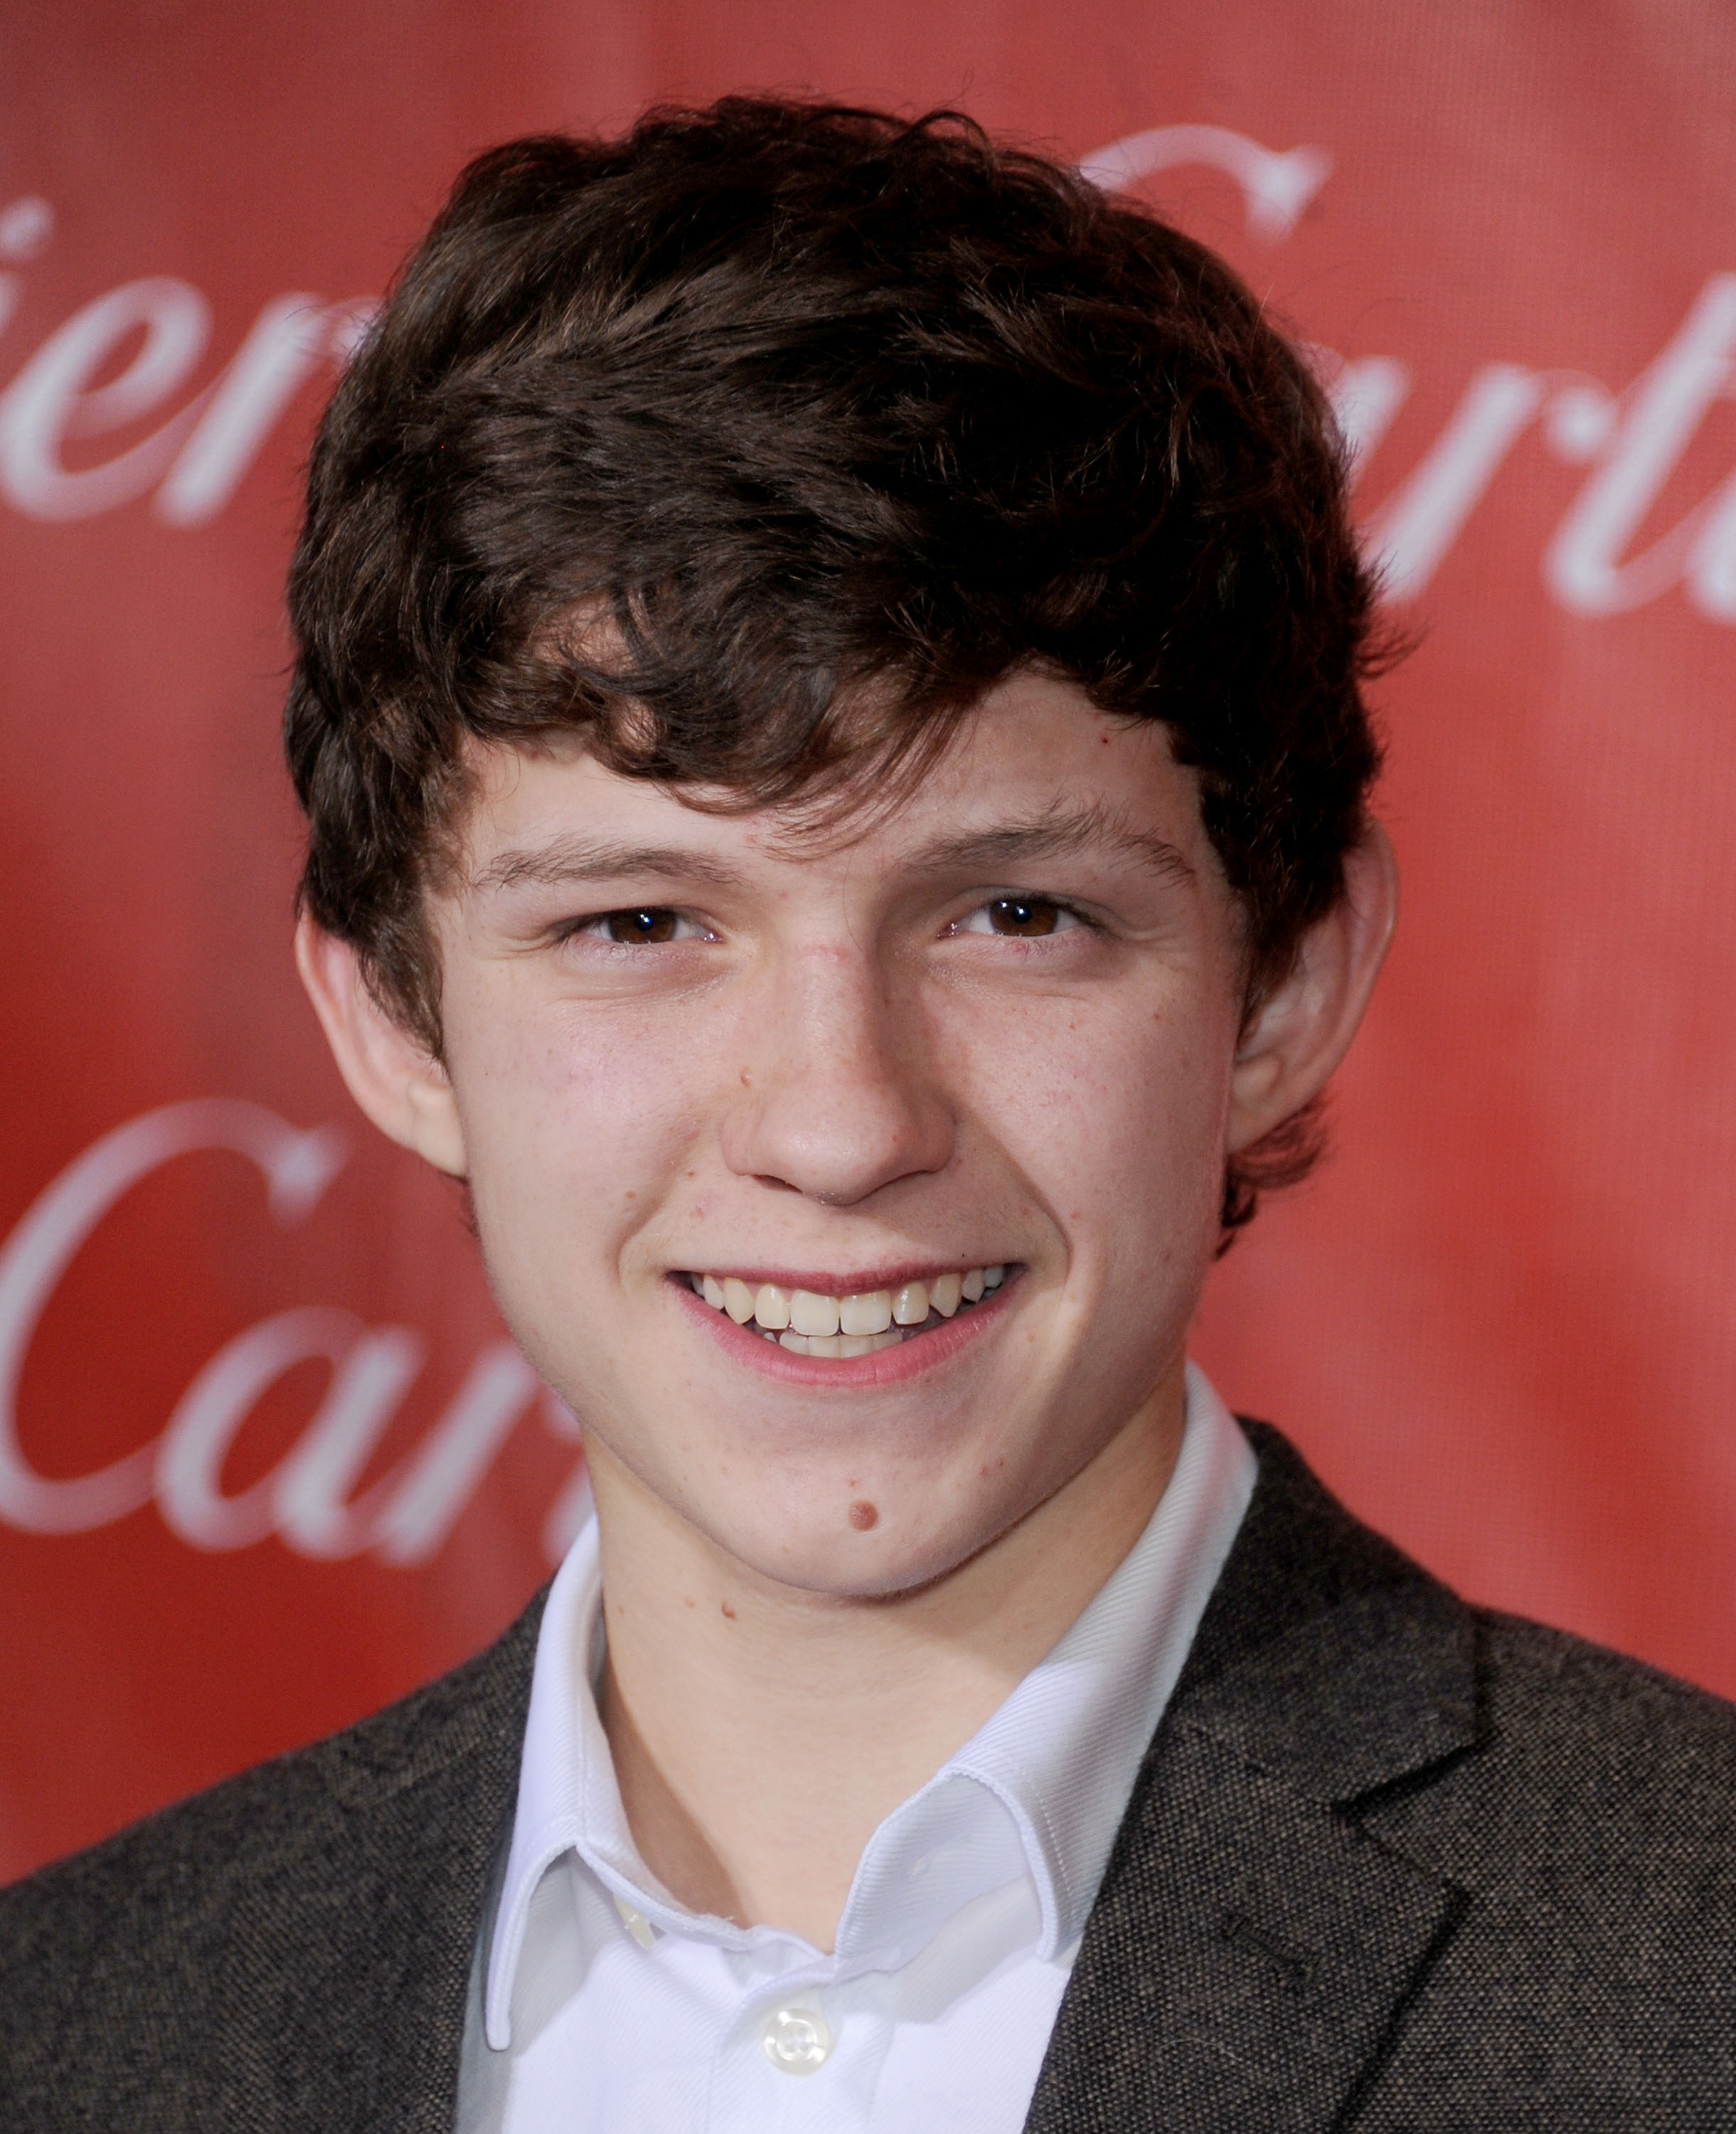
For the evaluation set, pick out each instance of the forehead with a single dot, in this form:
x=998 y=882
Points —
x=1036 y=767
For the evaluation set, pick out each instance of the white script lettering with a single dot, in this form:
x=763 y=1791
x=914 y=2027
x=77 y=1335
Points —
x=307 y=1498
x=52 y=399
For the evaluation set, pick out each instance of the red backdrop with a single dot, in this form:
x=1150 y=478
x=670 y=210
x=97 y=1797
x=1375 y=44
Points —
x=263 y=1462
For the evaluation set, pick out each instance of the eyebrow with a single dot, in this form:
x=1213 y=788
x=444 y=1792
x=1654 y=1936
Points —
x=1059 y=832
x=582 y=859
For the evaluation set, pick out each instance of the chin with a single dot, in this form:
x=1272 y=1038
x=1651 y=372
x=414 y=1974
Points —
x=834 y=1553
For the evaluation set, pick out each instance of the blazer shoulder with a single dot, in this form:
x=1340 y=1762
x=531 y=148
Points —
x=1332 y=1660
x=283 y=1803
x=1399 y=1861
x=1539 y=1678
x=1607 y=1780
x=273 y=1848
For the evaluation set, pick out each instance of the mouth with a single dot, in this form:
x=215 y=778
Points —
x=811 y=1322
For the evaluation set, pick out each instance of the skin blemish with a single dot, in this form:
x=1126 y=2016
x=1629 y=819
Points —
x=863 y=1515
x=727 y=1609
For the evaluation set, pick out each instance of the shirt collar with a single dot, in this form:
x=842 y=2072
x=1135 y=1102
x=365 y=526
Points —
x=1039 y=1789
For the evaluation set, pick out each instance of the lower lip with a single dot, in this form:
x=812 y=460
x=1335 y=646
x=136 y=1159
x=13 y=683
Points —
x=881 y=1366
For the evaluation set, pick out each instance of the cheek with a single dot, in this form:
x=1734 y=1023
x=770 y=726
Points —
x=1116 y=1116
x=574 y=1121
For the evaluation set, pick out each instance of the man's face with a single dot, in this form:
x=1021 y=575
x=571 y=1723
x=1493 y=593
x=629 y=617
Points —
x=995 y=1031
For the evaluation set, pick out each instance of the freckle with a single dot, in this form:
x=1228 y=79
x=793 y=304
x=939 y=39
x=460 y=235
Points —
x=727 y=1609
x=863 y=1515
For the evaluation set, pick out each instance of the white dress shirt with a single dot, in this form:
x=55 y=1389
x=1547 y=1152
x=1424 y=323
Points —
x=601 y=2005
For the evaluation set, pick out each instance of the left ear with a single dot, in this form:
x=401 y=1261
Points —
x=1302 y=1028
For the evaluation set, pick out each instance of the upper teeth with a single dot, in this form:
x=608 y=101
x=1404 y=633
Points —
x=817 y=1324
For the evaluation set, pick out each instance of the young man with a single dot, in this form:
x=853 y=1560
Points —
x=828 y=713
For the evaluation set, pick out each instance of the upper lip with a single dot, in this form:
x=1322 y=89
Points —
x=821 y=1282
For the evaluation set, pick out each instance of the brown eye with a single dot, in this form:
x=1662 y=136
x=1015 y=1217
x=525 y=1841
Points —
x=645 y=929
x=1024 y=917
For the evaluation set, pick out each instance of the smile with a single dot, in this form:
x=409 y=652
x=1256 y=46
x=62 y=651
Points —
x=811 y=1323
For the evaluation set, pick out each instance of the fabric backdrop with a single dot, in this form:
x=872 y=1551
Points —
x=265 y=1458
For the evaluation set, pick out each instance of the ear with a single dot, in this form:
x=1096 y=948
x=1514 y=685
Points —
x=1302 y=1028
x=391 y=1074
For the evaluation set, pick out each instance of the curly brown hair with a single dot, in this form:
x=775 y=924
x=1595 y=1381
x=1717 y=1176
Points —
x=834 y=419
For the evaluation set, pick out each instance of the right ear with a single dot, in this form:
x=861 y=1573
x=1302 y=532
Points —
x=388 y=1070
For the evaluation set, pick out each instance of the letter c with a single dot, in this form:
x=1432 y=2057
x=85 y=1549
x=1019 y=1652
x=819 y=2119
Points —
x=297 y=1167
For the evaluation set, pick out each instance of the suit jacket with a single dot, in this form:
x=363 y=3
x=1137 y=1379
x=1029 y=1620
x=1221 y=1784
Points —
x=1391 y=1863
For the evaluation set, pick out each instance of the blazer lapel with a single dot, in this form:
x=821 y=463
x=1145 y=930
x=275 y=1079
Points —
x=1254 y=1945
x=347 y=1942
x=433 y=1804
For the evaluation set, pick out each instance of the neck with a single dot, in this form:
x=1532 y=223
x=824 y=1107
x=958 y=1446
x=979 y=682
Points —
x=761 y=1734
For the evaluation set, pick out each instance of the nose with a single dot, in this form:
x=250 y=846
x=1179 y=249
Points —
x=836 y=1099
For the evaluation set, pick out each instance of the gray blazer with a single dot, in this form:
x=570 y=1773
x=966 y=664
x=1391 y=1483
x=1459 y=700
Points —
x=1391 y=1863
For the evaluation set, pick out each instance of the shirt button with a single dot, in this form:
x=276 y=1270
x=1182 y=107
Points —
x=798 y=2041
x=636 y=1923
